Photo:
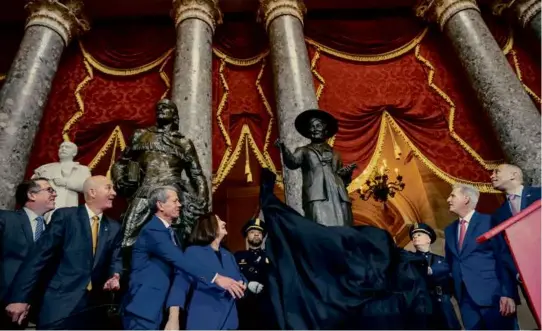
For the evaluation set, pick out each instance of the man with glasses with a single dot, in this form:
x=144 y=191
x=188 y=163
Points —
x=19 y=230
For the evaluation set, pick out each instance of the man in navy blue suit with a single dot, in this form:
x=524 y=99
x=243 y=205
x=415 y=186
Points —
x=78 y=256
x=486 y=292
x=508 y=178
x=19 y=230
x=156 y=258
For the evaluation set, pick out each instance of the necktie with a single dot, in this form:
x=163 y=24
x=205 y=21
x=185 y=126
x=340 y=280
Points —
x=95 y=227
x=462 y=232
x=40 y=227
x=514 y=203
x=172 y=235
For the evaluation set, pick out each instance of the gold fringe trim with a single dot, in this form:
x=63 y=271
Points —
x=220 y=173
x=80 y=103
x=117 y=140
x=481 y=186
x=488 y=165
x=369 y=169
x=316 y=74
x=2 y=77
x=165 y=77
x=240 y=62
x=123 y=72
x=520 y=77
x=371 y=58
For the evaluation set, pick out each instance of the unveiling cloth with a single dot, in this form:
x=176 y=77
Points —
x=339 y=277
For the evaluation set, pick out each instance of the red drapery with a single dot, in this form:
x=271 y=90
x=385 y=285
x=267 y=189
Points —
x=108 y=85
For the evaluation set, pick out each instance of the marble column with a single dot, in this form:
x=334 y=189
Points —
x=49 y=28
x=293 y=81
x=512 y=113
x=195 y=21
x=525 y=13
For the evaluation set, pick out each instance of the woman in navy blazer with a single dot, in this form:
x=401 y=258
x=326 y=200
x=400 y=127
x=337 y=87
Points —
x=208 y=307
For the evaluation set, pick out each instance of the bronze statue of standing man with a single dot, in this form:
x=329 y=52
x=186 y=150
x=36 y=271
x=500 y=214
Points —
x=325 y=199
x=158 y=156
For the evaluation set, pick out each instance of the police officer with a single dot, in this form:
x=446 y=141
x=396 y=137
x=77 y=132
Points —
x=438 y=278
x=253 y=263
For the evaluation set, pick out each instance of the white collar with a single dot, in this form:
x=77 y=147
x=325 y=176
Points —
x=30 y=213
x=517 y=191
x=91 y=214
x=166 y=224
x=468 y=217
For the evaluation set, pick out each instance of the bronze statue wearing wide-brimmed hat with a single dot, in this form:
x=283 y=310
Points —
x=325 y=199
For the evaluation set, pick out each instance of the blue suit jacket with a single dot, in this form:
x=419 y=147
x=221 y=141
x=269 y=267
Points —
x=478 y=266
x=528 y=196
x=154 y=260
x=209 y=308
x=63 y=256
x=16 y=240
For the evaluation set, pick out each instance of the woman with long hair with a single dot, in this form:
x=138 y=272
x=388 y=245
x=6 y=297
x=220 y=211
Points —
x=207 y=306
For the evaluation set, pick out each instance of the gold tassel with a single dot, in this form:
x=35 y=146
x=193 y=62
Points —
x=248 y=173
x=396 y=148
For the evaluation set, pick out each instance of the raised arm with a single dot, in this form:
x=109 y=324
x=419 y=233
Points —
x=291 y=160
x=194 y=171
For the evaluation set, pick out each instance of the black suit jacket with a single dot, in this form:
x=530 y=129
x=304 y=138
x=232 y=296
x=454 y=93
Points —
x=16 y=240
x=63 y=256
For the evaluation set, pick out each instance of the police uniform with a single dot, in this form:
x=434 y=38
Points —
x=254 y=309
x=440 y=285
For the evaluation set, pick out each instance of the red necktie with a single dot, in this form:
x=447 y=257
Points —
x=462 y=232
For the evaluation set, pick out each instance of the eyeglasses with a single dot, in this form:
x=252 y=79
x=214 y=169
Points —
x=49 y=189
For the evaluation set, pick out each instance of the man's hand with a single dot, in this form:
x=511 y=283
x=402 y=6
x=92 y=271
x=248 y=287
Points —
x=255 y=287
x=62 y=182
x=236 y=289
x=173 y=320
x=113 y=283
x=507 y=306
x=17 y=312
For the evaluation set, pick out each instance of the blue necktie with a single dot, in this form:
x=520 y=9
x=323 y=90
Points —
x=172 y=235
x=40 y=227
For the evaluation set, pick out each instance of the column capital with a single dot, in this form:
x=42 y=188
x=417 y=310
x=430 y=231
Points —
x=271 y=9
x=205 y=10
x=521 y=10
x=66 y=17
x=440 y=11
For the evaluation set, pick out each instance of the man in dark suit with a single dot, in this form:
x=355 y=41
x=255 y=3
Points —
x=486 y=292
x=438 y=279
x=508 y=178
x=155 y=256
x=19 y=230
x=77 y=257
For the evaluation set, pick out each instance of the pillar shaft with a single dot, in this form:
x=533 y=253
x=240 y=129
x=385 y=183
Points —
x=500 y=93
x=294 y=87
x=192 y=79
x=25 y=91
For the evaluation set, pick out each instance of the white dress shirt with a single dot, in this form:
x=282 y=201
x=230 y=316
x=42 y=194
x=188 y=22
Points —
x=517 y=192
x=91 y=214
x=467 y=219
x=33 y=222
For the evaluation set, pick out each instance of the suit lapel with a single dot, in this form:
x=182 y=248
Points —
x=84 y=220
x=102 y=238
x=469 y=241
x=25 y=224
x=455 y=238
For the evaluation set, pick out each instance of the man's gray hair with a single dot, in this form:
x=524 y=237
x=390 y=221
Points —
x=159 y=194
x=470 y=191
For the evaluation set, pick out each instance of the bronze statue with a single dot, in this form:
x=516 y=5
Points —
x=158 y=156
x=324 y=195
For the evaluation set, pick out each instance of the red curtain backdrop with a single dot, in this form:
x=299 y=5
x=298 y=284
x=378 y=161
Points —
x=370 y=74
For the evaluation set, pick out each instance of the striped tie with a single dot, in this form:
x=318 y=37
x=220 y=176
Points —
x=40 y=227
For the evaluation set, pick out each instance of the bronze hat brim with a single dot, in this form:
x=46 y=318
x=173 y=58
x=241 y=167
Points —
x=302 y=122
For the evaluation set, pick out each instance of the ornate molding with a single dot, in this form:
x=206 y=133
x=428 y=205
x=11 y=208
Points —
x=440 y=11
x=65 y=17
x=205 y=10
x=271 y=9
x=521 y=11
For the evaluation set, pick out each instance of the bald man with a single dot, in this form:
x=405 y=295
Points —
x=78 y=256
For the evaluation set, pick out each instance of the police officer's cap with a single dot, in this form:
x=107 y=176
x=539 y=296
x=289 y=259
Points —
x=255 y=224
x=424 y=228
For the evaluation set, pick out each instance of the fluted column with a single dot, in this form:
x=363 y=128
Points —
x=525 y=13
x=294 y=87
x=49 y=29
x=513 y=115
x=195 y=21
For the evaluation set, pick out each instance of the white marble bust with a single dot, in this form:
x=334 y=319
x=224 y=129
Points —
x=66 y=177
